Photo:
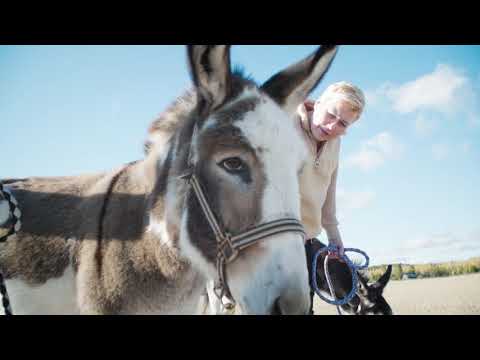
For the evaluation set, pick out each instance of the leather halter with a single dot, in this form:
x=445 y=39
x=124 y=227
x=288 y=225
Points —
x=228 y=245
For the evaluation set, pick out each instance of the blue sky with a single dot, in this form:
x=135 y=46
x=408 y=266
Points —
x=408 y=182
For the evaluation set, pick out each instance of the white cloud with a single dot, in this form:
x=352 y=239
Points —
x=429 y=242
x=431 y=248
x=375 y=97
x=440 y=151
x=438 y=90
x=445 y=90
x=374 y=152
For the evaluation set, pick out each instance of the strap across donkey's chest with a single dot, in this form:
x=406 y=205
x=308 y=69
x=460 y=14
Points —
x=228 y=245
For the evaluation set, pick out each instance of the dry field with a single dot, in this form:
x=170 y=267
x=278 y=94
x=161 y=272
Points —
x=454 y=295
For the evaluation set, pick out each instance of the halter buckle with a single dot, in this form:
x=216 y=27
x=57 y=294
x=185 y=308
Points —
x=228 y=304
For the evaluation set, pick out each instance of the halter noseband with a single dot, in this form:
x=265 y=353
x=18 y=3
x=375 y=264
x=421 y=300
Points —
x=228 y=246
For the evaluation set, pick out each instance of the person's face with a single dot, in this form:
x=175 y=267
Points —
x=332 y=119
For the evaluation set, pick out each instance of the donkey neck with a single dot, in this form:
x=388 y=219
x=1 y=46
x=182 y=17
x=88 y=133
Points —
x=154 y=276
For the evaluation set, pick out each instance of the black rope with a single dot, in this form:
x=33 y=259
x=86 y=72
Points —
x=5 y=300
x=12 y=206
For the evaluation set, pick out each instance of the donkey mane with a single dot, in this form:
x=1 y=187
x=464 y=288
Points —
x=167 y=122
x=240 y=72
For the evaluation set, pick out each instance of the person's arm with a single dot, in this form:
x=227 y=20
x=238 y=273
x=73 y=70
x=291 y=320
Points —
x=329 y=214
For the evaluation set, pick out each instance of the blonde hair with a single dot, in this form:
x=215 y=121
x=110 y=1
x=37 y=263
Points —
x=344 y=91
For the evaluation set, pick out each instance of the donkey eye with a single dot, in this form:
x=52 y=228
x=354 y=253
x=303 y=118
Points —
x=233 y=164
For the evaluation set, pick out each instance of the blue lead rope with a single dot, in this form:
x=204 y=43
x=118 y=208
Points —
x=353 y=270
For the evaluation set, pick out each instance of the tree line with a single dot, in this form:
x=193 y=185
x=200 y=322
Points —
x=402 y=271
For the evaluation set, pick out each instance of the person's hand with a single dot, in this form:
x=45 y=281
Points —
x=340 y=249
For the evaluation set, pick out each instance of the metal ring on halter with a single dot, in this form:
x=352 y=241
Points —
x=218 y=290
x=353 y=269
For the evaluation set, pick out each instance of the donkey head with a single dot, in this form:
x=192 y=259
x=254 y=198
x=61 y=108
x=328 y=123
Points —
x=371 y=300
x=368 y=299
x=247 y=153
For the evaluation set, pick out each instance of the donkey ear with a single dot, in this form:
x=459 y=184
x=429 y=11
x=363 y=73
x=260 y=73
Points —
x=210 y=71
x=290 y=87
x=382 y=282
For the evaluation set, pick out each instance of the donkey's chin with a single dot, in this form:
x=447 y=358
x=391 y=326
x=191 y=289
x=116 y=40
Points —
x=272 y=296
x=274 y=309
x=278 y=309
x=296 y=305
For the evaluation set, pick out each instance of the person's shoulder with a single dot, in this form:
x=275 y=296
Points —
x=301 y=110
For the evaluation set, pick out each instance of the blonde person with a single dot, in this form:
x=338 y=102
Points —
x=324 y=122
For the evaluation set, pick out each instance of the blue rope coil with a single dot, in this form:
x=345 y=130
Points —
x=353 y=269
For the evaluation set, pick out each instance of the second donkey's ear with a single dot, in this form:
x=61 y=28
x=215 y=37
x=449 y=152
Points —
x=382 y=282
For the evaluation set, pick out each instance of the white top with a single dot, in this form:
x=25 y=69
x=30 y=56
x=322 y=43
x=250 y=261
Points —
x=318 y=183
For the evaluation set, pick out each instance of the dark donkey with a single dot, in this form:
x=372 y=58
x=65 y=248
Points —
x=368 y=299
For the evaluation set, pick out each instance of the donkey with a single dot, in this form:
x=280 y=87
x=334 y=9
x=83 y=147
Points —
x=145 y=237
x=368 y=299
